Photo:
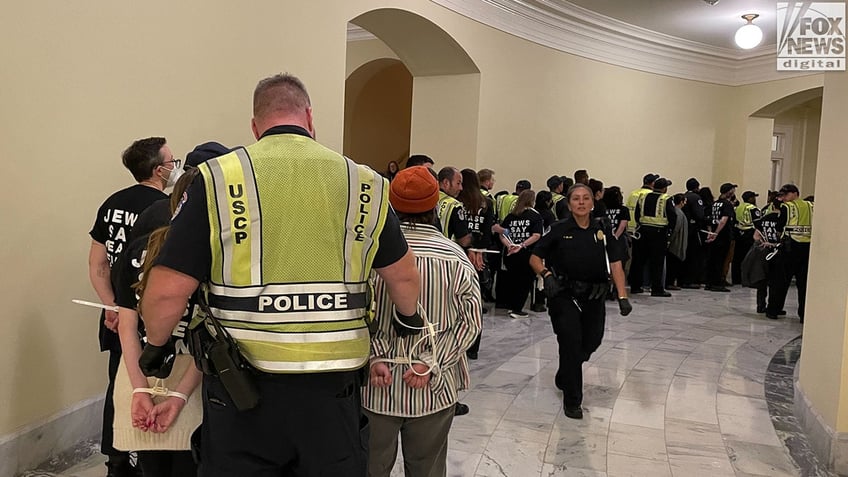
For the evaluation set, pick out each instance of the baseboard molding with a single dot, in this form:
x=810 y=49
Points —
x=39 y=442
x=830 y=446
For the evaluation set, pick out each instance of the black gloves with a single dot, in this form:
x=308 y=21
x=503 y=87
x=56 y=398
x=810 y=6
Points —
x=624 y=306
x=157 y=361
x=407 y=325
x=552 y=286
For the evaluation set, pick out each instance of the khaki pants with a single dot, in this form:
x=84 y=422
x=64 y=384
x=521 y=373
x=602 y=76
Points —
x=424 y=440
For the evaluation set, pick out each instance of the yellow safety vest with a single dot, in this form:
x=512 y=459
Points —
x=445 y=208
x=505 y=205
x=744 y=221
x=632 y=201
x=294 y=230
x=653 y=218
x=556 y=199
x=799 y=220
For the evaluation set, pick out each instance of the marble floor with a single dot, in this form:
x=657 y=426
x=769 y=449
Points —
x=677 y=388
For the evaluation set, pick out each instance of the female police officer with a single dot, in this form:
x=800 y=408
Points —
x=578 y=265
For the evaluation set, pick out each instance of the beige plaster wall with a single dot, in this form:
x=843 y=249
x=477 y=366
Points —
x=824 y=356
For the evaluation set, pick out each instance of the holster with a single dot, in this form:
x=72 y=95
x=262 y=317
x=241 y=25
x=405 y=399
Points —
x=587 y=290
x=217 y=354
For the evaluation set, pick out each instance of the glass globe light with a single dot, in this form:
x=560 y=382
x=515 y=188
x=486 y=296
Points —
x=748 y=36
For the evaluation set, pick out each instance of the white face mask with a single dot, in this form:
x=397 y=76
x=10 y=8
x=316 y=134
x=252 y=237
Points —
x=173 y=175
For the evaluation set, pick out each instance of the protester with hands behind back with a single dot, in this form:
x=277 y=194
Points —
x=579 y=261
x=417 y=401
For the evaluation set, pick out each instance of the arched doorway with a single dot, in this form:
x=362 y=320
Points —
x=410 y=66
x=795 y=138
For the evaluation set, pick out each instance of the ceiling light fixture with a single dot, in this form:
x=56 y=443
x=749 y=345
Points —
x=749 y=35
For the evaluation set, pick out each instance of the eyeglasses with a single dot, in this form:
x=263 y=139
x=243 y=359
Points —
x=176 y=162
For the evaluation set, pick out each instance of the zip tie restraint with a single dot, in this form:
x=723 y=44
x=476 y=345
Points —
x=406 y=352
x=159 y=390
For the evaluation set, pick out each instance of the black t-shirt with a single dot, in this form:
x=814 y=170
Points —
x=616 y=215
x=127 y=272
x=577 y=253
x=479 y=225
x=561 y=209
x=548 y=218
x=768 y=226
x=694 y=208
x=723 y=208
x=117 y=216
x=522 y=226
x=187 y=248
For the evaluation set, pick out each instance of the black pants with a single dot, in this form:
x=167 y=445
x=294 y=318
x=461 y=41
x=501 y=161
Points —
x=579 y=332
x=715 y=262
x=656 y=245
x=796 y=263
x=693 y=267
x=109 y=412
x=639 y=258
x=307 y=425
x=673 y=269
x=167 y=463
x=517 y=280
x=743 y=244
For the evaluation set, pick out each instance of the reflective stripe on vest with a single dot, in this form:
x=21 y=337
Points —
x=744 y=221
x=653 y=218
x=556 y=199
x=632 y=201
x=799 y=220
x=445 y=208
x=506 y=203
x=289 y=277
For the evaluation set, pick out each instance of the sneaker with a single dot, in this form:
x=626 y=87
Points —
x=538 y=307
x=461 y=409
x=771 y=316
x=574 y=412
x=518 y=314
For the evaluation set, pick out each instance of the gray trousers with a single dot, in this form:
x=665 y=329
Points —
x=424 y=440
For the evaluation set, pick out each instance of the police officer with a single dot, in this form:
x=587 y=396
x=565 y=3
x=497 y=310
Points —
x=639 y=253
x=154 y=168
x=450 y=212
x=696 y=218
x=559 y=206
x=795 y=225
x=506 y=202
x=486 y=177
x=656 y=216
x=576 y=262
x=747 y=213
x=289 y=286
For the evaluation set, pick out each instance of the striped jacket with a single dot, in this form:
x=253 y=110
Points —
x=450 y=297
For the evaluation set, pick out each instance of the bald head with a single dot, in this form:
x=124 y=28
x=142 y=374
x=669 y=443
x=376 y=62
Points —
x=281 y=99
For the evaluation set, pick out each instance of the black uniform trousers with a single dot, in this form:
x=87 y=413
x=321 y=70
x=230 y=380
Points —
x=306 y=425
x=796 y=263
x=744 y=241
x=639 y=257
x=718 y=249
x=693 y=267
x=655 y=243
x=109 y=412
x=517 y=280
x=579 y=332
x=167 y=463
